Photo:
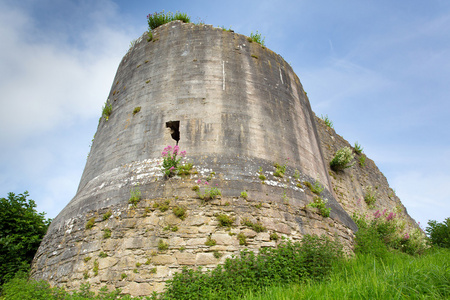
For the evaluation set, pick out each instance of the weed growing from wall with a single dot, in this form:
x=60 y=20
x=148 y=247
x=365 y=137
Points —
x=327 y=121
x=320 y=203
x=157 y=19
x=342 y=159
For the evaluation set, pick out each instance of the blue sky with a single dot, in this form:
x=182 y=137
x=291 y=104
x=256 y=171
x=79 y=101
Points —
x=380 y=70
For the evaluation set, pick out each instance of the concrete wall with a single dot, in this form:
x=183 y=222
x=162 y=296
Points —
x=241 y=109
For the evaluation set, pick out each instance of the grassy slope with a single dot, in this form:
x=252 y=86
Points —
x=398 y=276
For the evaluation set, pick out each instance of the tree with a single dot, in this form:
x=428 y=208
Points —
x=21 y=231
x=439 y=233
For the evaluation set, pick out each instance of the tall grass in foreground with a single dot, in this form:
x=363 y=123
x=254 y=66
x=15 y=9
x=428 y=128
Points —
x=397 y=276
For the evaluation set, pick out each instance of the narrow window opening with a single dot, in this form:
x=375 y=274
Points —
x=174 y=129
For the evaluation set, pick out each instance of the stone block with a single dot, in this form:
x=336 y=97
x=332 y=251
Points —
x=185 y=258
x=205 y=259
x=163 y=259
x=224 y=239
x=196 y=241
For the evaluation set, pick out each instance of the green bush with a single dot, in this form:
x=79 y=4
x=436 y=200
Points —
x=180 y=212
x=21 y=231
x=313 y=258
x=342 y=159
x=327 y=121
x=225 y=220
x=107 y=110
x=279 y=170
x=257 y=38
x=370 y=197
x=358 y=148
x=135 y=196
x=384 y=233
x=157 y=19
x=320 y=204
x=439 y=233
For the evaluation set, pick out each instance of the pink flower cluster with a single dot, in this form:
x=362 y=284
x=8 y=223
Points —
x=170 y=151
x=389 y=217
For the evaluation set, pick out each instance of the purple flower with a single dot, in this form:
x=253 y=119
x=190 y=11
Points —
x=390 y=216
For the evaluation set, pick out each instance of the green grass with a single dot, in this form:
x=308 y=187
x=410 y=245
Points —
x=398 y=276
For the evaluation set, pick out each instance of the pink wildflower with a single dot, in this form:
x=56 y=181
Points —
x=390 y=216
x=406 y=236
x=377 y=214
x=172 y=168
x=206 y=182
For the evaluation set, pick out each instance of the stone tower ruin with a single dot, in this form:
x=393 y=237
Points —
x=237 y=109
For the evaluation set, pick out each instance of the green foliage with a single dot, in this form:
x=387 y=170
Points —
x=225 y=220
x=399 y=276
x=210 y=242
x=95 y=269
x=242 y=239
x=257 y=38
x=320 y=203
x=262 y=177
x=136 y=110
x=370 y=197
x=171 y=162
x=362 y=160
x=296 y=174
x=258 y=227
x=384 y=233
x=279 y=170
x=209 y=193
x=274 y=236
x=313 y=258
x=106 y=233
x=179 y=211
x=342 y=159
x=358 y=148
x=162 y=245
x=162 y=206
x=317 y=188
x=21 y=231
x=135 y=196
x=185 y=169
x=244 y=195
x=106 y=110
x=157 y=19
x=327 y=121
x=103 y=254
x=217 y=254
x=439 y=233
x=107 y=215
x=90 y=223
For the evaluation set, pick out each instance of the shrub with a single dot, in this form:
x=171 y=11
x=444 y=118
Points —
x=279 y=170
x=171 y=160
x=274 y=236
x=209 y=194
x=262 y=177
x=162 y=245
x=317 y=188
x=107 y=110
x=225 y=220
x=157 y=19
x=107 y=215
x=320 y=203
x=370 y=197
x=362 y=160
x=383 y=233
x=256 y=37
x=327 y=121
x=90 y=223
x=439 y=233
x=210 y=242
x=180 y=212
x=242 y=239
x=342 y=159
x=244 y=195
x=289 y=262
x=358 y=148
x=185 y=169
x=21 y=231
x=296 y=174
x=258 y=227
x=135 y=196
x=136 y=110
x=106 y=233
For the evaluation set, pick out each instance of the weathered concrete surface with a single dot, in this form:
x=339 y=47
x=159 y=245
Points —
x=239 y=105
x=240 y=109
x=350 y=186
